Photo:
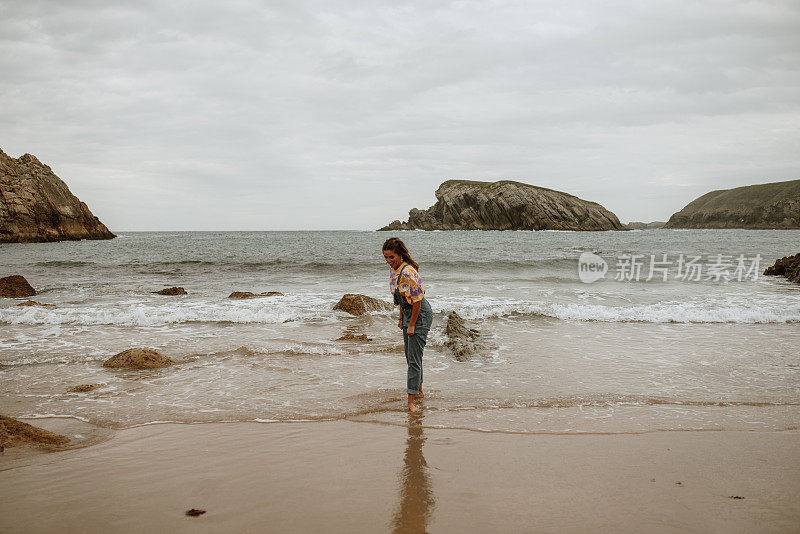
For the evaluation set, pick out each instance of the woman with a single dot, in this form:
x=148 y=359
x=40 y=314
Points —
x=416 y=315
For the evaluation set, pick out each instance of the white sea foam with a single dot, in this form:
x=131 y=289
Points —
x=704 y=311
x=141 y=314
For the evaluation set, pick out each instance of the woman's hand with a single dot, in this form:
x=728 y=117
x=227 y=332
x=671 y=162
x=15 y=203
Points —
x=400 y=323
x=410 y=329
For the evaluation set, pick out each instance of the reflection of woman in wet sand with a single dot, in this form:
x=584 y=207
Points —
x=416 y=314
x=416 y=493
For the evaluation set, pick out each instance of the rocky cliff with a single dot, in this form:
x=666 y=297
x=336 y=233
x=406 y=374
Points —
x=506 y=205
x=36 y=205
x=765 y=206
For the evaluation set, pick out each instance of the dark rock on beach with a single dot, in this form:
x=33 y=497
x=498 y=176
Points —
x=171 y=291
x=36 y=205
x=15 y=286
x=506 y=205
x=765 y=206
x=138 y=358
x=355 y=304
x=250 y=295
x=13 y=432
x=788 y=267
x=461 y=340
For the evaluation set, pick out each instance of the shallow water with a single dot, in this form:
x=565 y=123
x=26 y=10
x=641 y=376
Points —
x=559 y=355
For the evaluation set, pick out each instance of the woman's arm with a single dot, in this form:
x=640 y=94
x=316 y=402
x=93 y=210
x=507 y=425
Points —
x=414 y=314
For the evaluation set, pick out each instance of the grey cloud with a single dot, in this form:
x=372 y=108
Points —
x=247 y=115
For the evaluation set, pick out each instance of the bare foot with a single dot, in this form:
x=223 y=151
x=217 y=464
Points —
x=411 y=407
x=421 y=394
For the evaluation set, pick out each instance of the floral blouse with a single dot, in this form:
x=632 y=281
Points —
x=410 y=284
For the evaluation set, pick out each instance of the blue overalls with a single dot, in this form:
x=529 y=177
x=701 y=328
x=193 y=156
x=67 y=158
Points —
x=416 y=343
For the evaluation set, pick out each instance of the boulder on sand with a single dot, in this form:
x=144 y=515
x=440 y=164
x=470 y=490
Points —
x=13 y=432
x=788 y=267
x=250 y=295
x=462 y=341
x=15 y=286
x=355 y=304
x=172 y=291
x=138 y=358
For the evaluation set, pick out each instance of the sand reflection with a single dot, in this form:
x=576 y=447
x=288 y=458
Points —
x=416 y=495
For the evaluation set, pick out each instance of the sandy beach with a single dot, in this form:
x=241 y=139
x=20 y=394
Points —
x=345 y=476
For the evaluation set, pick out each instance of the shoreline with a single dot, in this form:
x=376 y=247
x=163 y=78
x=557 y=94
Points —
x=365 y=477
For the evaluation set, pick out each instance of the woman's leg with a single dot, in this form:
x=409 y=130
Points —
x=414 y=350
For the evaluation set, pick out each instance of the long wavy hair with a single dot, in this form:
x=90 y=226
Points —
x=398 y=247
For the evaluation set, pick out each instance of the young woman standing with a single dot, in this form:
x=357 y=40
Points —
x=416 y=314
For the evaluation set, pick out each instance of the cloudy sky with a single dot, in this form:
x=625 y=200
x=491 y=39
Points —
x=337 y=114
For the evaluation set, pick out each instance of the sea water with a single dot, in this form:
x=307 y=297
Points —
x=633 y=351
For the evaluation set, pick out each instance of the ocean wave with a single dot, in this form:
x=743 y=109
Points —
x=174 y=313
x=672 y=312
x=311 y=308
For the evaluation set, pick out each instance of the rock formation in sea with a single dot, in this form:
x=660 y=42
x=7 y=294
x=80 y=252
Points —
x=506 y=205
x=15 y=286
x=788 y=267
x=759 y=207
x=36 y=205
x=356 y=304
x=655 y=225
x=138 y=358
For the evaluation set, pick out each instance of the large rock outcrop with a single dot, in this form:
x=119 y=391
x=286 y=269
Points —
x=506 y=205
x=759 y=207
x=36 y=205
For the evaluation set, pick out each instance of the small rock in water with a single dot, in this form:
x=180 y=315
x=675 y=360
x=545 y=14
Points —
x=138 y=358
x=13 y=432
x=34 y=303
x=172 y=291
x=356 y=304
x=83 y=388
x=195 y=512
x=735 y=497
x=15 y=286
x=462 y=341
x=251 y=295
x=349 y=336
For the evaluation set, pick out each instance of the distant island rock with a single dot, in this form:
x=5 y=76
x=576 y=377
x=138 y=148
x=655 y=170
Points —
x=655 y=225
x=37 y=206
x=773 y=206
x=506 y=205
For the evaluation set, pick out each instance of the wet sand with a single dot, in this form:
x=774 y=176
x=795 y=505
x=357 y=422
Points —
x=345 y=476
